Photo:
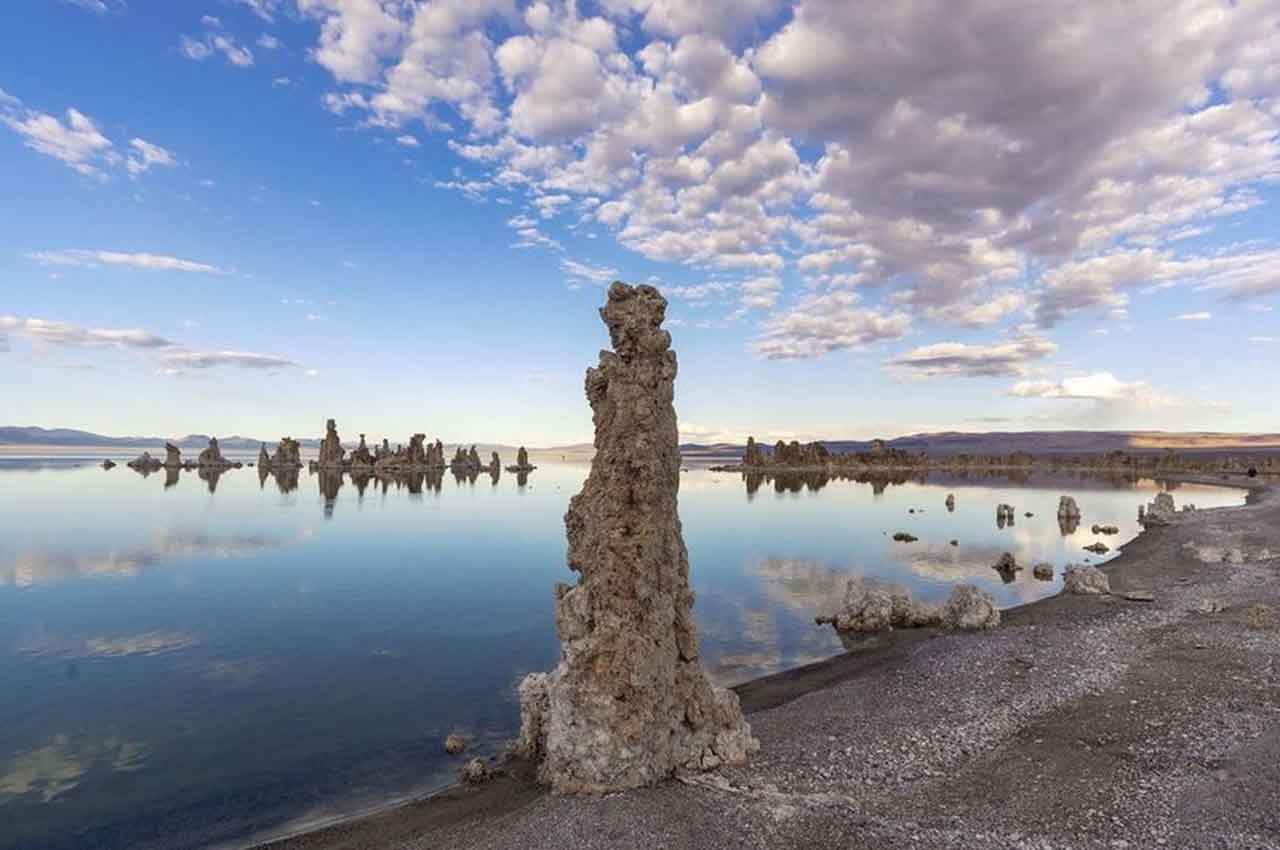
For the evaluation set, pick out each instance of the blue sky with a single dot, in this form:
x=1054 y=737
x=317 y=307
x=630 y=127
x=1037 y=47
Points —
x=246 y=216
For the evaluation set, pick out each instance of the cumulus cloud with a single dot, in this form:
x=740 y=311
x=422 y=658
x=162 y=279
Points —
x=265 y=9
x=1047 y=168
x=1102 y=387
x=820 y=324
x=95 y=259
x=957 y=359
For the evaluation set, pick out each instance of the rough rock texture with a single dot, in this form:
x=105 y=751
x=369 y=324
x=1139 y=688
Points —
x=1007 y=567
x=172 y=456
x=1105 y=529
x=1042 y=571
x=454 y=744
x=475 y=772
x=1084 y=580
x=951 y=501
x=331 y=451
x=361 y=457
x=629 y=703
x=753 y=456
x=144 y=461
x=1098 y=548
x=264 y=459
x=969 y=609
x=288 y=454
x=495 y=463
x=1004 y=515
x=1067 y=508
x=211 y=456
x=870 y=606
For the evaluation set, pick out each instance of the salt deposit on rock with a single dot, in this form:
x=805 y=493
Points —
x=1085 y=580
x=629 y=703
x=970 y=609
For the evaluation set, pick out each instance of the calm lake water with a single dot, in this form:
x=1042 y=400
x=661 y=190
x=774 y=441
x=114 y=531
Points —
x=189 y=663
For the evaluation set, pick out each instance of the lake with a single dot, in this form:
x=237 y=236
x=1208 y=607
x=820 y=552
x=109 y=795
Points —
x=193 y=661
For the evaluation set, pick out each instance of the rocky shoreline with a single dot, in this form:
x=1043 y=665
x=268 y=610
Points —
x=1142 y=718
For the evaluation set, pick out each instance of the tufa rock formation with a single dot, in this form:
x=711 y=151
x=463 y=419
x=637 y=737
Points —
x=1043 y=571
x=212 y=457
x=1007 y=566
x=144 y=463
x=753 y=456
x=871 y=606
x=172 y=456
x=264 y=460
x=1085 y=581
x=969 y=609
x=1068 y=509
x=108 y=464
x=522 y=462
x=331 y=451
x=361 y=457
x=629 y=703
x=951 y=501
x=1004 y=515
x=288 y=454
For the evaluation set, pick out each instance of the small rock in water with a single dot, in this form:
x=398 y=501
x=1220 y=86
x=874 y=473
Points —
x=951 y=501
x=955 y=542
x=475 y=772
x=1043 y=571
x=1105 y=529
x=455 y=744
x=107 y=464
x=1007 y=567
x=1098 y=548
x=904 y=537
x=1085 y=581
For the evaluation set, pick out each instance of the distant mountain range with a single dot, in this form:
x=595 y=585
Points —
x=943 y=443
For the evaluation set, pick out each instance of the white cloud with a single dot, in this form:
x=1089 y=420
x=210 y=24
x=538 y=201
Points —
x=146 y=155
x=75 y=141
x=267 y=41
x=859 y=143
x=65 y=334
x=94 y=259
x=586 y=272
x=408 y=141
x=1102 y=387
x=182 y=361
x=821 y=324
x=265 y=9
x=957 y=359
x=215 y=41
x=1264 y=339
x=1194 y=317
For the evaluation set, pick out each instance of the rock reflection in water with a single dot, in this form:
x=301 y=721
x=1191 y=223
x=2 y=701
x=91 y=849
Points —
x=210 y=475
x=330 y=482
x=171 y=474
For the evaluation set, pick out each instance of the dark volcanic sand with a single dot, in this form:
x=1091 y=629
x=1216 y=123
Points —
x=1082 y=722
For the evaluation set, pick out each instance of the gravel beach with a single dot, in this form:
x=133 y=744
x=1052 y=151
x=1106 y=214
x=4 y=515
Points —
x=1082 y=722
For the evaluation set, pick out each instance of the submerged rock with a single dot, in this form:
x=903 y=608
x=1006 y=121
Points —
x=629 y=703
x=1084 y=580
x=904 y=537
x=1105 y=529
x=969 y=609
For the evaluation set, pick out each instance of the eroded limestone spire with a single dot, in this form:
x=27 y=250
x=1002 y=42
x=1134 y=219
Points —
x=629 y=703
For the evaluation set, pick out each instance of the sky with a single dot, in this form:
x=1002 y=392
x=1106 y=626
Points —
x=869 y=219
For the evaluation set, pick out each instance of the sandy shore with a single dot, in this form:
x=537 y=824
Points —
x=1082 y=722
